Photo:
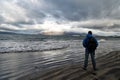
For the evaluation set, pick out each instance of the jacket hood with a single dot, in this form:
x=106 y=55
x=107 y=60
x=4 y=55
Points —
x=89 y=36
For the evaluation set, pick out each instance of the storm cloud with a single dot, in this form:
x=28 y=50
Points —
x=36 y=16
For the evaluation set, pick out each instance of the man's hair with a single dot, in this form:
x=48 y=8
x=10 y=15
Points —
x=90 y=32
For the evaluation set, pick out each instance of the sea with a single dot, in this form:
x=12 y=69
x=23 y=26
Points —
x=23 y=54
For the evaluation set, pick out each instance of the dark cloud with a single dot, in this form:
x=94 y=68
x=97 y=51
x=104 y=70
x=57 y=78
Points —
x=1 y=19
x=6 y=29
x=68 y=9
x=33 y=11
x=84 y=9
x=73 y=10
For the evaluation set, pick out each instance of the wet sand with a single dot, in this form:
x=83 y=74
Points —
x=108 y=69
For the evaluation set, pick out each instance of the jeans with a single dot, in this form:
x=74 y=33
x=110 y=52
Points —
x=92 y=54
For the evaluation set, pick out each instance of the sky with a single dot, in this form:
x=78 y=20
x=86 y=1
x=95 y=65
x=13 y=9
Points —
x=42 y=16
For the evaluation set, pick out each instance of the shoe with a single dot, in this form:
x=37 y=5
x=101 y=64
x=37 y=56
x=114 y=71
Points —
x=95 y=69
x=84 y=68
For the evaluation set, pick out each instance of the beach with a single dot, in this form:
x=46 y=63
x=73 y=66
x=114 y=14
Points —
x=108 y=69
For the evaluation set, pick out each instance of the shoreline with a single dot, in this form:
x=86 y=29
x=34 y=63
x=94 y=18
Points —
x=108 y=69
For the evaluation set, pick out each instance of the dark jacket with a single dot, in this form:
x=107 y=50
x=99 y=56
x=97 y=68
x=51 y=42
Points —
x=86 y=40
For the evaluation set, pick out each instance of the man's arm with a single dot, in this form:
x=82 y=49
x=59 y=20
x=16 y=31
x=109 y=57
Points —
x=84 y=43
x=96 y=42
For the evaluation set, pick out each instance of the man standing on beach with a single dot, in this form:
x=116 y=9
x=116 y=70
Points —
x=90 y=44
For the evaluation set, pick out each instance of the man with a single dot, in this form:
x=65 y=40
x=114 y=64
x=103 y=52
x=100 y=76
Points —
x=90 y=44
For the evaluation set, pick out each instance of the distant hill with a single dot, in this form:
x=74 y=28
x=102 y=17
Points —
x=63 y=34
x=48 y=34
x=74 y=33
x=7 y=32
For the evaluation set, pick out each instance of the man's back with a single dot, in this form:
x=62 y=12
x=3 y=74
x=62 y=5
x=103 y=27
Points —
x=89 y=40
x=91 y=44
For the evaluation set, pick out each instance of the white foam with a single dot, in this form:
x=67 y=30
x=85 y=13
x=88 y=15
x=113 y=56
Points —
x=102 y=40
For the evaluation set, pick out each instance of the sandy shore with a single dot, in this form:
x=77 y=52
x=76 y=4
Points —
x=108 y=69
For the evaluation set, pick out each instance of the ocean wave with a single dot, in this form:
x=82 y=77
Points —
x=40 y=50
x=31 y=46
x=102 y=40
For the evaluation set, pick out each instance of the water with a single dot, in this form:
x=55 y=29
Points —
x=21 y=55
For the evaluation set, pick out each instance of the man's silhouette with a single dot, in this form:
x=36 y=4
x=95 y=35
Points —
x=90 y=44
